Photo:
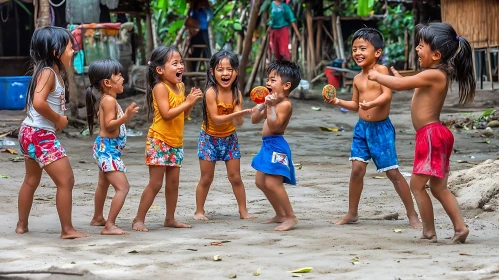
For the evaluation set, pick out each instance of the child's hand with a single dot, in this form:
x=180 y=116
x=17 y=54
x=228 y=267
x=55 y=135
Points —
x=131 y=111
x=61 y=123
x=372 y=75
x=366 y=105
x=271 y=99
x=246 y=112
x=395 y=72
x=333 y=101
x=194 y=96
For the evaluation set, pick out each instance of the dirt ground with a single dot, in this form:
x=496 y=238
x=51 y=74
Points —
x=370 y=249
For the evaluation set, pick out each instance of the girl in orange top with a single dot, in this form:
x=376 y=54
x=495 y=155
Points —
x=164 y=144
x=222 y=112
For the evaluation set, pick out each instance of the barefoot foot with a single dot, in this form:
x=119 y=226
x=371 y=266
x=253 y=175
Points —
x=348 y=219
x=72 y=234
x=100 y=221
x=139 y=226
x=176 y=224
x=275 y=220
x=200 y=216
x=246 y=215
x=20 y=228
x=460 y=237
x=112 y=229
x=432 y=237
x=287 y=224
x=415 y=223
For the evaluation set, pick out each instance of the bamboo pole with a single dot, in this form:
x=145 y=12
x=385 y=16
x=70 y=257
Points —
x=248 y=40
x=318 y=42
x=257 y=63
x=310 y=40
x=43 y=14
x=149 y=32
x=335 y=35
x=340 y=38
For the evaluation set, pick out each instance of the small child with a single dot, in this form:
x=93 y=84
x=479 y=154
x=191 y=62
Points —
x=443 y=54
x=51 y=53
x=105 y=78
x=164 y=143
x=273 y=162
x=374 y=134
x=222 y=112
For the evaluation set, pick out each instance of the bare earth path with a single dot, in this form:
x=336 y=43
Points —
x=319 y=197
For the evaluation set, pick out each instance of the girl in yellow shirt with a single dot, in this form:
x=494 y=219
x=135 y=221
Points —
x=164 y=144
x=222 y=112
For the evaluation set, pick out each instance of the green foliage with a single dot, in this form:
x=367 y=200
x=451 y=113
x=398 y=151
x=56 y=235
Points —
x=393 y=26
x=169 y=16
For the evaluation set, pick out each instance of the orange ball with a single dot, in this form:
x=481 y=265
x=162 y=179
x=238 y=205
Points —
x=258 y=94
x=329 y=92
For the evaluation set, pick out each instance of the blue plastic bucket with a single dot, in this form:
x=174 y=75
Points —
x=13 y=92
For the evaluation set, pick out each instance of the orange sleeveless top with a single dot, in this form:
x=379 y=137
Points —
x=169 y=131
x=221 y=130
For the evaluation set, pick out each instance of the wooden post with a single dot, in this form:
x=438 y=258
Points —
x=149 y=36
x=310 y=40
x=140 y=40
x=257 y=63
x=179 y=36
x=335 y=35
x=248 y=40
x=43 y=18
x=318 y=42
x=340 y=38
x=74 y=95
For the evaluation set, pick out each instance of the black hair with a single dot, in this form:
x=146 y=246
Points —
x=371 y=35
x=456 y=56
x=159 y=57
x=98 y=71
x=211 y=82
x=46 y=47
x=287 y=70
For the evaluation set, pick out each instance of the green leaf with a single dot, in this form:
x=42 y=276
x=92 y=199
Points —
x=23 y=7
x=237 y=26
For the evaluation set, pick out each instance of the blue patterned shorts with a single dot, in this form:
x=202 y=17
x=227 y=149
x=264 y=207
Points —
x=107 y=153
x=376 y=141
x=211 y=148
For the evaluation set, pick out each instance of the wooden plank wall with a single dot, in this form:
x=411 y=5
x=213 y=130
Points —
x=475 y=20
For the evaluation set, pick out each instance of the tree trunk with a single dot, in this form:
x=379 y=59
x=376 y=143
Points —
x=257 y=63
x=43 y=18
x=248 y=41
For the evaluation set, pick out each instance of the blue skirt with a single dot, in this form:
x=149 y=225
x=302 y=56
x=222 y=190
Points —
x=274 y=158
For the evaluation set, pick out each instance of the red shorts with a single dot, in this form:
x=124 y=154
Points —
x=279 y=41
x=434 y=144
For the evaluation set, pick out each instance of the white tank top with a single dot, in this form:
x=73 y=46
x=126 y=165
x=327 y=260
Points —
x=56 y=100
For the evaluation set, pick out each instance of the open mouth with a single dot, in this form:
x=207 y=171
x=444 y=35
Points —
x=270 y=90
x=179 y=75
x=225 y=80
x=359 y=59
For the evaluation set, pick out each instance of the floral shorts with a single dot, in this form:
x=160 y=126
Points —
x=107 y=153
x=40 y=145
x=211 y=148
x=160 y=153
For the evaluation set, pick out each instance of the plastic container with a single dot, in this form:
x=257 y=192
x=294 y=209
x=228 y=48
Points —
x=13 y=92
x=331 y=78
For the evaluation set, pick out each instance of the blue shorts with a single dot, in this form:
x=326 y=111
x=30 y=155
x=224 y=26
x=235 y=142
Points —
x=211 y=148
x=376 y=141
x=107 y=153
x=274 y=158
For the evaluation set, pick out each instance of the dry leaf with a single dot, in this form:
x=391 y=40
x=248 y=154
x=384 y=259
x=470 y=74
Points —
x=217 y=258
x=215 y=243
x=397 y=230
x=256 y=273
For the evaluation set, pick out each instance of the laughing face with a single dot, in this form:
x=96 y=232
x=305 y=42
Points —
x=363 y=52
x=276 y=86
x=224 y=73
x=173 y=69
x=427 y=57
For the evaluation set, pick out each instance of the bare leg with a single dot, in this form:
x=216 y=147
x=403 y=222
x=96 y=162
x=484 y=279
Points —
x=234 y=173
x=418 y=188
x=120 y=183
x=207 y=173
x=402 y=188
x=280 y=215
x=439 y=189
x=100 y=199
x=275 y=186
x=26 y=193
x=171 y=193
x=354 y=191
x=62 y=174
x=156 y=175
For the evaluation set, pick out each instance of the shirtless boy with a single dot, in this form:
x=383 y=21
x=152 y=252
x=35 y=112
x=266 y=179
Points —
x=374 y=134
x=273 y=162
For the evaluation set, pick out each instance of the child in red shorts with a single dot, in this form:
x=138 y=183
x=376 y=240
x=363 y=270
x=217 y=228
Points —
x=443 y=54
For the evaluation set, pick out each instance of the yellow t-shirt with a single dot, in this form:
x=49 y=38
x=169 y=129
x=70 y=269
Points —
x=221 y=130
x=169 y=131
